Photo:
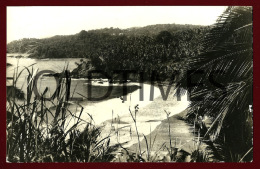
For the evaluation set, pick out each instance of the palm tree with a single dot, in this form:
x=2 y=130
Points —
x=226 y=95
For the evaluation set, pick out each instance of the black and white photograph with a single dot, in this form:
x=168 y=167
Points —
x=129 y=84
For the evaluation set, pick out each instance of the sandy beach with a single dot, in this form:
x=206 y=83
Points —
x=149 y=118
x=113 y=115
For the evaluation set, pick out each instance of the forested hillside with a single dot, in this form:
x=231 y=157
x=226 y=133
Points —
x=84 y=43
x=157 y=47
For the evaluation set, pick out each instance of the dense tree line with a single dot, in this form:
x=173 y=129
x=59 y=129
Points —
x=84 y=43
x=163 y=48
x=164 y=53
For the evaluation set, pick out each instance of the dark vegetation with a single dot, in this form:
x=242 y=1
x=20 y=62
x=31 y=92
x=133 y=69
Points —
x=224 y=50
x=84 y=43
x=227 y=59
x=33 y=137
x=156 y=47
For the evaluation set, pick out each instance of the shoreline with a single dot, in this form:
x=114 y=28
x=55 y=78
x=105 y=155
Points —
x=114 y=118
x=148 y=119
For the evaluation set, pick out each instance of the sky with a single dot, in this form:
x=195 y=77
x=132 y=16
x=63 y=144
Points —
x=46 y=21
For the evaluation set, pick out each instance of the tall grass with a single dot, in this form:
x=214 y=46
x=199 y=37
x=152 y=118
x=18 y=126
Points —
x=35 y=133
